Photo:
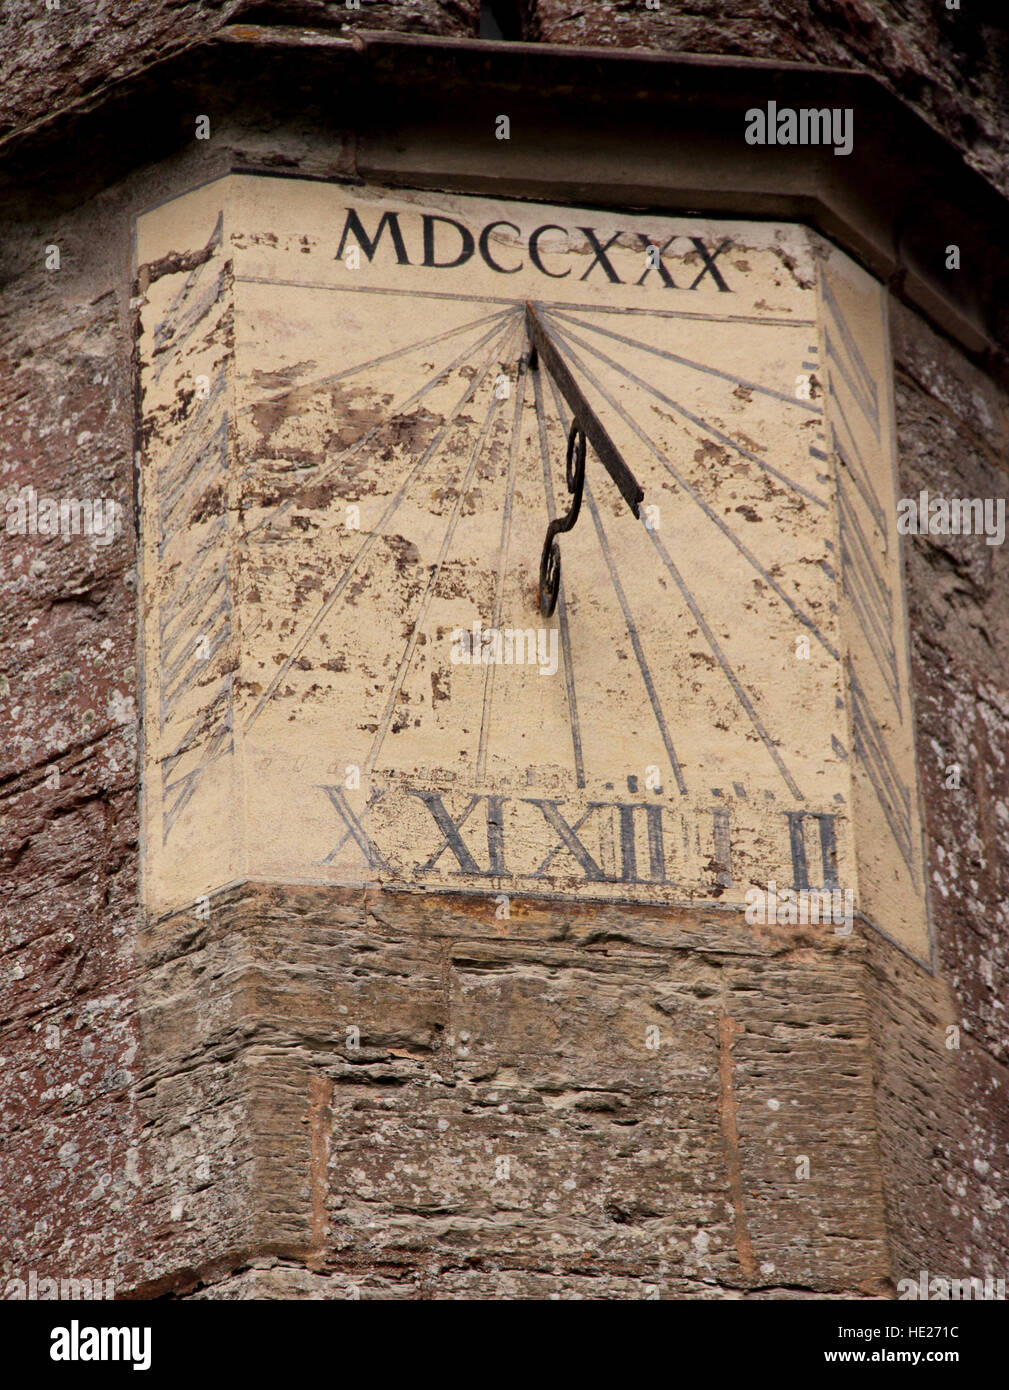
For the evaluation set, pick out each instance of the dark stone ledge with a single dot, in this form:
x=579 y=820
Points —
x=623 y=128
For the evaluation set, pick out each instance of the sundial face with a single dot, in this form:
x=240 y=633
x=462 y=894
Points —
x=349 y=463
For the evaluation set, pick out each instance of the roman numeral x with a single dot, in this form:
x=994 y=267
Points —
x=355 y=830
x=451 y=839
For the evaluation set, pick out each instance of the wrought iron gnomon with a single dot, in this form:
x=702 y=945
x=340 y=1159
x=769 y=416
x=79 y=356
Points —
x=585 y=425
x=550 y=560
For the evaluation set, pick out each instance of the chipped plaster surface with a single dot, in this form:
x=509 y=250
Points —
x=347 y=490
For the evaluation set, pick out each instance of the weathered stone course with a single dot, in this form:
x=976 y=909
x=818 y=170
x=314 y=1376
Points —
x=50 y=59
x=952 y=65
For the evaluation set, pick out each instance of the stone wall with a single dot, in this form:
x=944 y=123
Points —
x=53 y=59
x=944 y=1113
x=414 y=1099
x=151 y=1082
x=68 y=787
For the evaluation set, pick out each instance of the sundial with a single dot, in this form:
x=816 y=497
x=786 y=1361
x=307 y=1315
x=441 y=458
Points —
x=363 y=410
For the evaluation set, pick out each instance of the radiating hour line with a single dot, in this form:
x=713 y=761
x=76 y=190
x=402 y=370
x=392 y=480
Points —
x=562 y=612
x=324 y=381
x=849 y=518
x=506 y=521
x=868 y=595
x=870 y=745
x=366 y=546
x=432 y=580
x=646 y=674
x=730 y=674
x=191 y=601
x=410 y=292
x=863 y=391
x=632 y=630
x=885 y=659
x=689 y=415
x=626 y=312
x=689 y=362
x=501 y=327
x=711 y=514
x=859 y=475
x=758 y=321
x=709 y=636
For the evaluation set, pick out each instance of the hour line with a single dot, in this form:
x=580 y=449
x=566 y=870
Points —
x=632 y=630
x=696 y=497
x=433 y=576
x=365 y=547
x=562 y=612
x=731 y=676
x=694 y=419
x=506 y=521
x=512 y=303
x=695 y=366
x=501 y=325
x=497 y=317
